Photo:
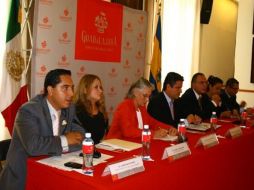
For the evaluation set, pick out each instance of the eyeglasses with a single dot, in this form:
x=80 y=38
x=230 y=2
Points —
x=202 y=82
x=234 y=88
x=146 y=95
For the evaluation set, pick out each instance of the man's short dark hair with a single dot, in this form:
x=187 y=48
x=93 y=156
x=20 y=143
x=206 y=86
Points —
x=171 y=79
x=53 y=78
x=231 y=82
x=195 y=76
x=213 y=80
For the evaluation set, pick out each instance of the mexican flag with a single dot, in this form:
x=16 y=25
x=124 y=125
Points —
x=13 y=88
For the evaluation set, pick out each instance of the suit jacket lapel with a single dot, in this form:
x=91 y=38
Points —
x=63 y=122
x=194 y=97
x=47 y=114
x=166 y=106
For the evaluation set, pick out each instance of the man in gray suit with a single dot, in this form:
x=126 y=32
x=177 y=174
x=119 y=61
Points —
x=46 y=125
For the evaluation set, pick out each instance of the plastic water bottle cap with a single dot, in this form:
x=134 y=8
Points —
x=88 y=135
x=146 y=126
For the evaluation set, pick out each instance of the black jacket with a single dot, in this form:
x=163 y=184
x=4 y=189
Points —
x=159 y=109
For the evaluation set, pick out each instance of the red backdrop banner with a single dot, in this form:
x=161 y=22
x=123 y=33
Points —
x=98 y=31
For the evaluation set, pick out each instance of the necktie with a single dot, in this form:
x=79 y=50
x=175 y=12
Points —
x=171 y=106
x=55 y=120
x=199 y=102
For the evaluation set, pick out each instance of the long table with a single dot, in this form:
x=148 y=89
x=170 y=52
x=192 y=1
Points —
x=228 y=166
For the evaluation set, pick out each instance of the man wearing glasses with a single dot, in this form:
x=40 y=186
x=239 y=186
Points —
x=191 y=103
x=228 y=97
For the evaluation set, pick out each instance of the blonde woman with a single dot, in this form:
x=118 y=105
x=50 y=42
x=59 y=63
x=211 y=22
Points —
x=90 y=106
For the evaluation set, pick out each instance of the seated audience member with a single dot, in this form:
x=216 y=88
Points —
x=90 y=106
x=43 y=126
x=191 y=102
x=130 y=116
x=212 y=100
x=228 y=97
x=243 y=107
x=162 y=106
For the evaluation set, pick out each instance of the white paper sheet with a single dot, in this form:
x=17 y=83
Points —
x=170 y=138
x=58 y=161
x=118 y=145
x=199 y=127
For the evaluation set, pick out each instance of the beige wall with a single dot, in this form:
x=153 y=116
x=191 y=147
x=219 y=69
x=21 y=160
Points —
x=243 y=50
x=217 y=40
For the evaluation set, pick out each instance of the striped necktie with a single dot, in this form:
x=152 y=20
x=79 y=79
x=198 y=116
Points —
x=200 y=102
x=171 y=106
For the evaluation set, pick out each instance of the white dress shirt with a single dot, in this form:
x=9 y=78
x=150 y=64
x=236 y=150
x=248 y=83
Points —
x=140 y=120
x=55 y=118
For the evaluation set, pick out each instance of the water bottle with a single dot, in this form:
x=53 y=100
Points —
x=213 y=121
x=146 y=139
x=243 y=118
x=88 y=149
x=182 y=131
x=241 y=109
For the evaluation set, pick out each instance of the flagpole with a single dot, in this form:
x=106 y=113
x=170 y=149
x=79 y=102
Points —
x=149 y=36
x=154 y=11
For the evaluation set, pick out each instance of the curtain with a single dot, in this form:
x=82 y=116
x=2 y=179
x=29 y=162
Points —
x=180 y=38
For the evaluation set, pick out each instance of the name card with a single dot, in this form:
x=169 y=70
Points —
x=234 y=132
x=176 y=152
x=124 y=168
x=208 y=141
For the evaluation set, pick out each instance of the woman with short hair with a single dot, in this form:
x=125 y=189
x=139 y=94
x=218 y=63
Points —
x=131 y=115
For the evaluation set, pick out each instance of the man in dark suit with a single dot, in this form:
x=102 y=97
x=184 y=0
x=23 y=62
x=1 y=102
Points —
x=191 y=103
x=162 y=106
x=228 y=97
x=43 y=126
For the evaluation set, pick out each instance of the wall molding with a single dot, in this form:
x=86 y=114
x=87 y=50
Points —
x=245 y=90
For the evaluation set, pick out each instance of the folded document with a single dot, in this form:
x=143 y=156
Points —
x=199 y=127
x=58 y=161
x=170 y=138
x=117 y=144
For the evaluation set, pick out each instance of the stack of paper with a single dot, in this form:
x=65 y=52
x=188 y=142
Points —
x=199 y=127
x=58 y=161
x=117 y=144
x=170 y=138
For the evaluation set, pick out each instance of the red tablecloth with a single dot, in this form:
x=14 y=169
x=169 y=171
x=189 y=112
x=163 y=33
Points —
x=229 y=165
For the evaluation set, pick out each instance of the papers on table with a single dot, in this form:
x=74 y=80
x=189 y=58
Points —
x=199 y=127
x=225 y=121
x=118 y=145
x=170 y=138
x=58 y=161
